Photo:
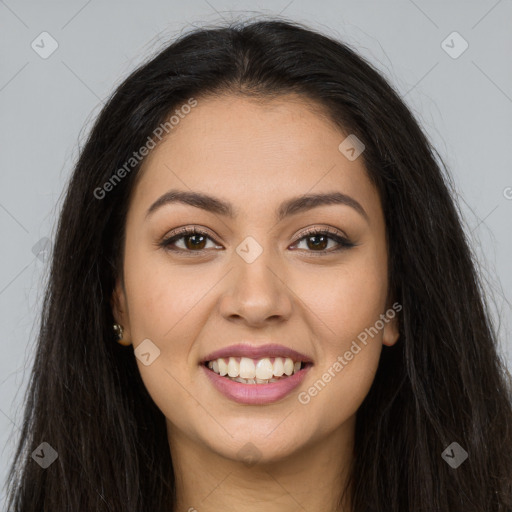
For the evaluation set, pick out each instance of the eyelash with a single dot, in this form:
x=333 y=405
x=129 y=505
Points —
x=343 y=242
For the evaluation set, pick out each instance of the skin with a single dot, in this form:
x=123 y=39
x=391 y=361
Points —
x=255 y=155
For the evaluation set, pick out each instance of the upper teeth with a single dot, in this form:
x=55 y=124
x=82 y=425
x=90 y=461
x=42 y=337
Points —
x=247 y=368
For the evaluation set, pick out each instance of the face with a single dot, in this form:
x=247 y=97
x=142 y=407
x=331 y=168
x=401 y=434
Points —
x=267 y=270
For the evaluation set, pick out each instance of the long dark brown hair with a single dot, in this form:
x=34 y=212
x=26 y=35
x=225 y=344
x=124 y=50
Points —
x=443 y=382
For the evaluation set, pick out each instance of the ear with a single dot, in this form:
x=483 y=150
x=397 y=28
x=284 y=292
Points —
x=391 y=332
x=118 y=303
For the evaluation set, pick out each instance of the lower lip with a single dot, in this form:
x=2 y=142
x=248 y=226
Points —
x=256 y=394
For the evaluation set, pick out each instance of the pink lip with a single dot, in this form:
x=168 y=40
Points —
x=257 y=352
x=255 y=394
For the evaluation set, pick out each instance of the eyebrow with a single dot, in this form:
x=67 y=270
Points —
x=289 y=207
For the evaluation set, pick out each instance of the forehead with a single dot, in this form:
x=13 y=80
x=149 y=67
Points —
x=254 y=153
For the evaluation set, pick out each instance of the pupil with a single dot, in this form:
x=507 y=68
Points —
x=323 y=237
x=195 y=244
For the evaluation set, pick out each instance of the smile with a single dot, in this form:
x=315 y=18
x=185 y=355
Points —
x=254 y=390
x=246 y=370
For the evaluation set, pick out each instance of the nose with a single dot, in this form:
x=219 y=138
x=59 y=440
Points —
x=256 y=293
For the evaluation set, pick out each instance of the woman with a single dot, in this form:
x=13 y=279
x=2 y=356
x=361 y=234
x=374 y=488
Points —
x=260 y=223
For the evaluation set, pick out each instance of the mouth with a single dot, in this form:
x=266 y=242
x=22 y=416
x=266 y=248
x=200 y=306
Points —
x=256 y=375
x=246 y=370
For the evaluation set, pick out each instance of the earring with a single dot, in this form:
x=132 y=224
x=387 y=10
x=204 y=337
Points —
x=119 y=331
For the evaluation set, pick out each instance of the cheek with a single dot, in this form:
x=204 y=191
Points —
x=163 y=297
x=164 y=308
x=346 y=300
x=346 y=305
x=168 y=304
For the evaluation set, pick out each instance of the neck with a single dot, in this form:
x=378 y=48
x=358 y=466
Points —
x=310 y=479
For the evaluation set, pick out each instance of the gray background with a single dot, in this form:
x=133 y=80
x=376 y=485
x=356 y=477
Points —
x=47 y=106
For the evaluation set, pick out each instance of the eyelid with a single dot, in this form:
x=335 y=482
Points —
x=189 y=230
x=321 y=229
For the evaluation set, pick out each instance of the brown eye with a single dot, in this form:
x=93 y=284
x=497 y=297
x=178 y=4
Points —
x=317 y=241
x=194 y=240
